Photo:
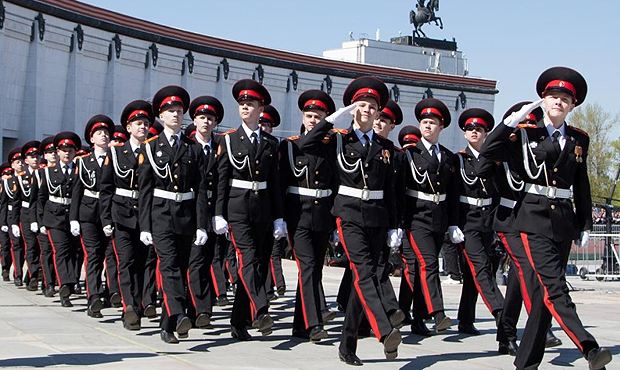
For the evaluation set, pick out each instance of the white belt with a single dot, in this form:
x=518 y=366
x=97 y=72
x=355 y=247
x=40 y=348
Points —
x=127 y=193
x=316 y=193
x=249 y=185
x=177 y=197
x=91 y=194
x=550 y=192
x=478 y=202
x=363 y=194
x=426 y=196
x=508 y=203
x=25 y=204
x=60 y=200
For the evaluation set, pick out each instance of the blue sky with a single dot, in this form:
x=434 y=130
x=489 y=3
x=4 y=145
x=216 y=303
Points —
x=508 y=41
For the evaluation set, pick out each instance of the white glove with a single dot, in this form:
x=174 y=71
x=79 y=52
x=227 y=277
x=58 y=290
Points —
x=108 y=230
x=519 y=116
x=220 y=226
x=394 y=239
x=455 y=234
x=34 y=227
x=75 y=228
x=146 y=238
x=4 y=228
x=279 y=229
x=15 y=231
x=43 y=230
x=343 y=116
x=583 y=239
x=201 y=237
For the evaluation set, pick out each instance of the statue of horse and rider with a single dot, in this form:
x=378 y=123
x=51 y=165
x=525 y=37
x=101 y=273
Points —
x=424 y=14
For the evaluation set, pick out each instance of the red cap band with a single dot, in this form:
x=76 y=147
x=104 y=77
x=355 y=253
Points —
x=49 y=146
x=67 y=142
x=411 y=138
x=365 y=92
x=121 y=135
x=432 y=111
x=316 y=103
x=388 y=112
x=7 y=170
x=207 y=107
x=562 y=84
x=266 y=117
x=153 y=130
x=16 y=156
x=96 y=127
x=171 y=100
x=31 y=150
x=250 y=93
x=137 y=113
x=476 y=121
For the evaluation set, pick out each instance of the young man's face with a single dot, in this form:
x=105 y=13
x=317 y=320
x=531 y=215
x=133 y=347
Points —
x=311 y=117
x=475 y=135
x=32 y=161
x=431 y=128
x=367 y=112
x=100 y=138
x=205 y=123
x=51 y=157
x=17 y=165
x=558 y=105
x=66 y=153
x=138 y=129
x=383 y=126
x=172 y=117
x=250 y=110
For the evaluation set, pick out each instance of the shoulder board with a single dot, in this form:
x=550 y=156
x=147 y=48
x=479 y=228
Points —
x=115 y=144
x=293 y=138
x=576 y=129
x=526 y=125
x=343 y=131
x=22 y=174
x=227 y=132
x=151 y=139
x=140 y=158
x=84 y=156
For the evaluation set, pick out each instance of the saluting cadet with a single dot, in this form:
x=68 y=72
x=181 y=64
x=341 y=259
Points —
x=206 y=112
x=27 y=195
x=173 y=209
x=85 y=215
x=13 y=212
x=118 y=202
x=5 y=242
x=249 y=206
x=431 y=186
x=53 y=203
x=478 y=197
x=364 y=207
x=48 y=270
x=310 y=182
x=556 y=208
x=270 y=119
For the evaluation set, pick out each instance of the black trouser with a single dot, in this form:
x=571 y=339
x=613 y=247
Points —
x=136 y=268
x=232 y=266
x=478 y=276
x=112 y=284
x=173 y=251
x=451 y=260
x=5 y=254
x=363 y=246
x=200 y=286
x=31 y=251
x=94 y=243
x=218 y=275
x=410 y=285
x=253 y=245
x=548 y=259
x=309 y=249
x=426 y=245
x=17 y=252
x=47 y=261
x=275 y=276
x=344 y=289
x=65 y=247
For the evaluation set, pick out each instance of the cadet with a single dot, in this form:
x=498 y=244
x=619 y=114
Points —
x=13 y=213
x=5 y=242
x=48 y=270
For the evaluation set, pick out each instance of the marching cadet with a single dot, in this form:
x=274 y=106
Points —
x=310 y=183
x=85 y=215
x=173 y=209
x=250 y=201
x=5 y=242
x=118 y=202
x=27 y=195
x=53 y=203
x=478 y=196
x=556 y=208
x=270 y=119
x=431 y=188
x=206 y=113
x=13 y=213
x=364 y=207
x=48 y=270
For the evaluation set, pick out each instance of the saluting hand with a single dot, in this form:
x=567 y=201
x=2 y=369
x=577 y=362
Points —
x=519 y=116
x=343 y=116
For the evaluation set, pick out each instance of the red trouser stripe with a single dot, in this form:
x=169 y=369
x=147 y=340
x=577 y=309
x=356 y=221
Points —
x=191 y=292
x=86 y=264
x=214 y=279
x=118 y=272
x=474 y=276
x=407 y=278
x=240 y=272
x=49 y=236
x=425 y=289
x=527 y=301
x=300 y=285
x=43 y=263
x=230 y=275
x=547 y=301
x=23 y=236
x=13 y=256
x=369 y=314
x=160 y=278
x=273 y=271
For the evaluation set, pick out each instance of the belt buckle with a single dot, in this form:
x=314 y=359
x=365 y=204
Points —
x=436 y=198
x=255 y=185
x=479 y=202
x=551 y=192
x=134 y=194
x=318 y=193
x=365 y=194
x=178 y=197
